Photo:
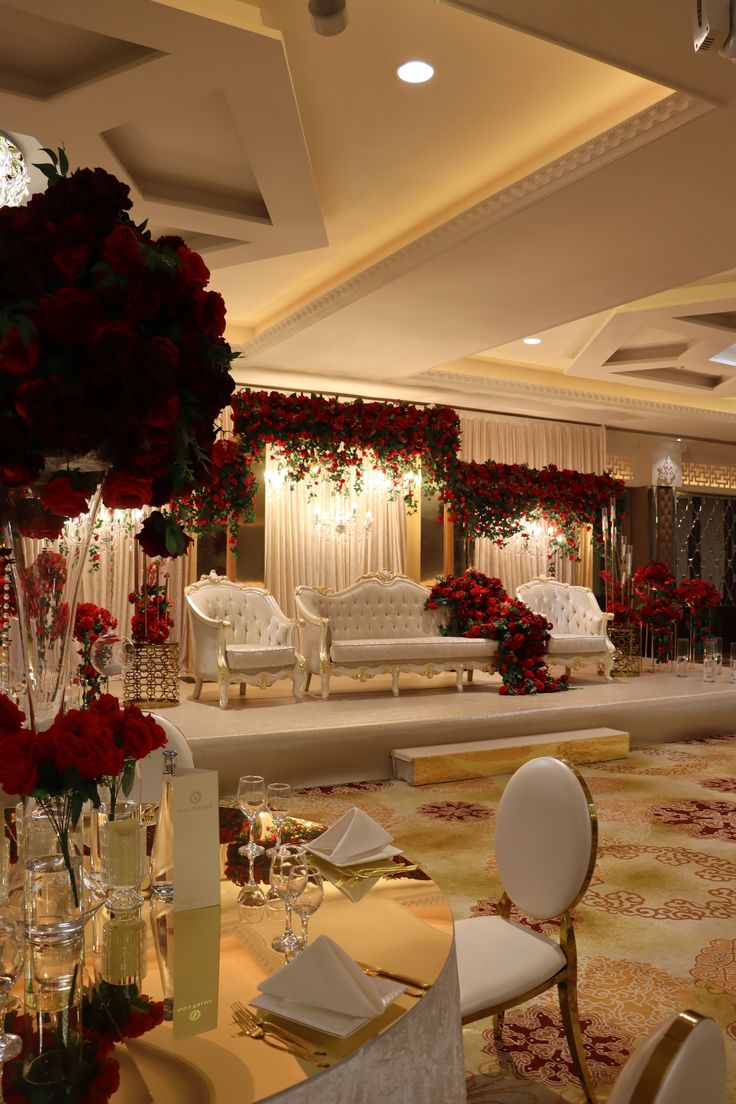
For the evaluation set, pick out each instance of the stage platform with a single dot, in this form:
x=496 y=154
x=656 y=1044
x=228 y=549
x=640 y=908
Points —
x=349 y=737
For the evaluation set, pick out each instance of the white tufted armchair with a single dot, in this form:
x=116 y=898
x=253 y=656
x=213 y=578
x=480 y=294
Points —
x=240 y=635
x=379 y=625
x=578 y=637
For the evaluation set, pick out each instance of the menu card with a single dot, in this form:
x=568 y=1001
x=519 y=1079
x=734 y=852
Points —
x=196 y=831
x=196 y=970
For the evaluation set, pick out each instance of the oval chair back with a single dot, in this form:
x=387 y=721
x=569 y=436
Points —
x=152 y=767
x=682 y=1062
x=546 y=838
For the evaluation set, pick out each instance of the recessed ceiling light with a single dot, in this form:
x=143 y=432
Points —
x=532 y=341
x=415 y=72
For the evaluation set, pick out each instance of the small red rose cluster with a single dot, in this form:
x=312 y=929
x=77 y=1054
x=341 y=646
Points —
x=478 y=606
x=90 y=623
x=151 y=622
x=224 y=500
x=661 y=604
x=80 y=749
x=109 y=345
x=496 y=500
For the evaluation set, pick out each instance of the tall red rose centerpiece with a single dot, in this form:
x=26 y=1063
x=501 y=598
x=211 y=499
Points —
x=113 y=371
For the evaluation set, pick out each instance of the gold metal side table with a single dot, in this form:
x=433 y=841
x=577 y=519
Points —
x=626 y=639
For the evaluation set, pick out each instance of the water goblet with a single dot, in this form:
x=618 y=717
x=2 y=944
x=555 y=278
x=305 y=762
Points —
x=283 y=862
x=251 y=899
x=306 y=894
x=252 y=801
x=278 y=803
x=11 y=964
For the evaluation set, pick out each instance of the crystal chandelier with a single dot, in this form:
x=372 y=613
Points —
x=341 y=521
x=14 y=181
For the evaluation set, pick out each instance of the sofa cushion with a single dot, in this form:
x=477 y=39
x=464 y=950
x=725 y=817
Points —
x=258 y=657
x=571 y=644
x=411 y=649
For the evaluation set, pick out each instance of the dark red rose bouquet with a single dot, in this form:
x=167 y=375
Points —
x=224 y=499
x=90 y=622
x=110 y=347
x=656 y=608
x=478 y=606
x=697 y=600
x=151 y=622
x=68 y=763
x=498 y=501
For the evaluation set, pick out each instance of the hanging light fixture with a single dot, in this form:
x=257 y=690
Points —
x=328 y=17
x=14 y=180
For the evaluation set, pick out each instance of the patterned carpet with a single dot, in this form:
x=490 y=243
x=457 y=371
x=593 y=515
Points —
x=656 y=930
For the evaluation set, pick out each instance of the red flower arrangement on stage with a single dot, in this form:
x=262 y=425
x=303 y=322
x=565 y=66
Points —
x=110 y=347
x=310 y=433
x=151 y=622
x=224 y=500
x=661 y=604
x=478 y=606
x=497 y=500
x=90 y=622
x=697 y=600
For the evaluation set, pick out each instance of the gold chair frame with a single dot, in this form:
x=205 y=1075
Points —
x=565 y=979
x=663 y=1055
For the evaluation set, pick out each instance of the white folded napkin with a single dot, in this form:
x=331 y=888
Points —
x=354 y=837
x=325 y=976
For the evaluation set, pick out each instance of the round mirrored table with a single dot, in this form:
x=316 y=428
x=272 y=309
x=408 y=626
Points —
x=207 y=959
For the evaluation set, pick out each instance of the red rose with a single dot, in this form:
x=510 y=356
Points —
x=122 y=491
x=35 y=521
x=60 y=496
x=69 y=316
x=70 y=258
x=103 y=1085
x=122 y=249
x=193 y=268
x=140 y=735
x=11 y=718
x=18 y=357
x=18 y=773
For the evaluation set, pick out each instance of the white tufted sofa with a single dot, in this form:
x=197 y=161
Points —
x=379 y=625
x=240 y=635
x=578 y=637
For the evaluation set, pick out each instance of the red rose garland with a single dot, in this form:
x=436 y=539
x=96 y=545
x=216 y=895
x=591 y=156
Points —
x=479 y=607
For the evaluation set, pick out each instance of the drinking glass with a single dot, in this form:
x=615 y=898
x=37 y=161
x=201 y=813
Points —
x=283 y=863
x=11 y=964
x=305 y=895
x=713 y=651
x=251 y=899
x=709 y=667
x=733 y=663
x=682 y=653
x=252 y=800
x=278 y=802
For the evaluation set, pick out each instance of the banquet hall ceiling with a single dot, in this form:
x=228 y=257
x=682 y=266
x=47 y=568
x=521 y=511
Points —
x=569 y=163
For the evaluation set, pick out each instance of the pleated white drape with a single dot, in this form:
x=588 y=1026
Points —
x=301 y=552
x=535 y=443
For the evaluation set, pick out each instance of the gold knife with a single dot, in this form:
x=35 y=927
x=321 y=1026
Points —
x=404 y=979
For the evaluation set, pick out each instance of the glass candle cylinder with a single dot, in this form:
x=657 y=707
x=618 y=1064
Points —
x=733 y=663
x=123 y=857
x=124 y=949
x=681 y=657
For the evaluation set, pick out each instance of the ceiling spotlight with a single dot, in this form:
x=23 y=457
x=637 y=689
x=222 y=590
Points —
x=328 y=16
x=415 y=72
x=532 y=341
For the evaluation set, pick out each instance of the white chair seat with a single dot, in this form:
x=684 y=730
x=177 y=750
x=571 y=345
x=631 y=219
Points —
x=497 y=960
x=411 y=649
x=570 y=644
x=250 y=657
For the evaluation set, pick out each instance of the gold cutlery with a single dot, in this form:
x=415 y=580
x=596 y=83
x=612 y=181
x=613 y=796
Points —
x=274 y=1035
x=403 y=979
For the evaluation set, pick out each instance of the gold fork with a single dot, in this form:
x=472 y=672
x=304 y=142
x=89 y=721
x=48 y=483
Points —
x=258 y=1028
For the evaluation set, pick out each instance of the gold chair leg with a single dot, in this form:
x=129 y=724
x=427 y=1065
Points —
x=567 y=991
x=498 y=1026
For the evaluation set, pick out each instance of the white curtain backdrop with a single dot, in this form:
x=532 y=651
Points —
x=535 y=443
x=301 y=552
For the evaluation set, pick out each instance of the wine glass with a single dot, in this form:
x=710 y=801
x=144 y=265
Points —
x=283 y=862
x=11 y=964
x=252 y=800
x=278 y=802
x=306 y=891
x=251 y=899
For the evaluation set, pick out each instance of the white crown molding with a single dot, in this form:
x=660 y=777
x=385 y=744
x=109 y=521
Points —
x=568 y=394
x=616 y=142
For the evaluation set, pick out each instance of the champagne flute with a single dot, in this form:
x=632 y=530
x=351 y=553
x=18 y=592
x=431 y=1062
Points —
x=252 y=801
x=283 y=862
x=11 y=964
x=306 y=894
x=278 y=802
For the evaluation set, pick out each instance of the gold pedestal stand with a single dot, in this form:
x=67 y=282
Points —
x=151 y=674
x=626 y=639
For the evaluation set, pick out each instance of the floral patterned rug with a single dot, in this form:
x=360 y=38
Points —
x=656 y=929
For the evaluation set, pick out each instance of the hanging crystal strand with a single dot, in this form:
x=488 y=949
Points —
x=5 y=674
x=162 y=852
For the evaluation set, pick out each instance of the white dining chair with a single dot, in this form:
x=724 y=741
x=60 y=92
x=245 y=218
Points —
x=546 y=843
x=152 y=767
x=682 y=1062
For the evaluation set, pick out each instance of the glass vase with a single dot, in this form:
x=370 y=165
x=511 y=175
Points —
x=52 y=1045
x=46 y=575
x=54 y=912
